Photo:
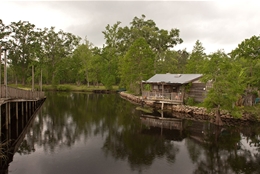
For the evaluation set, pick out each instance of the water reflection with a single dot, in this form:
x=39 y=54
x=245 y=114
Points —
x=81 y=132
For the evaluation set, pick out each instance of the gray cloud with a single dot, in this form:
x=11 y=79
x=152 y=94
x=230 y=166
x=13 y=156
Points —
x=218 y=25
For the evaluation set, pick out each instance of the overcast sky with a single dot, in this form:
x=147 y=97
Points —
x=217 y=24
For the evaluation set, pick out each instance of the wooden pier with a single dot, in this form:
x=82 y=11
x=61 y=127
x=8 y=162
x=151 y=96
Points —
x=15 y=103
x=17 y=110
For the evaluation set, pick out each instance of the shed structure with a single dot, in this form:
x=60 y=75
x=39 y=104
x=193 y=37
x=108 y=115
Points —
x=174 y=87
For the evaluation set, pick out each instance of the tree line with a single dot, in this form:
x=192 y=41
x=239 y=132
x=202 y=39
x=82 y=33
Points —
x=130 y=54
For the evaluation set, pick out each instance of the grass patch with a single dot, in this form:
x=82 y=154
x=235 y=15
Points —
x=63 y=87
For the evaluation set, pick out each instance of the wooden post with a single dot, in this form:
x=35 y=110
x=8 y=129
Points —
x=17 y=126
x=5 y=77
x=0 y=71
x=9 y=112
x=6 y=116
x=32 y=77
x=26 y=106
x=162 y=105
x=162 y=89
x=16 y=109
x=22 y=109
x=0 y=116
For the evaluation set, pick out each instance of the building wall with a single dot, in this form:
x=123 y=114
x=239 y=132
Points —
x=197 y=91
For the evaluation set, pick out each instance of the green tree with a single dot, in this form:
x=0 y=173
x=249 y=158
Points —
x=81 y=62
x=137 y=65
x=248 y=55
x=57 y=45
x=22 y=45
x=227 y=78
x=196 y=60
x=110 y=54
x=182 y=58
x=160 y=40
x=169 y=63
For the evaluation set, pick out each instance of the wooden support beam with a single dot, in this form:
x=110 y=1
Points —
x=9 y=112
x=16 y=109
x=6 y=116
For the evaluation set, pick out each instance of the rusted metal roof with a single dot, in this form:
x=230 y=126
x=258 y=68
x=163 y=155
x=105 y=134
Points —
x=173 y=78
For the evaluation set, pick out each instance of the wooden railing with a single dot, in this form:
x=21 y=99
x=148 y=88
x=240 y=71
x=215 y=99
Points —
x=16 y=93
x=174 y=96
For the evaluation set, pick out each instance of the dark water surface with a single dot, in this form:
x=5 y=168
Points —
x=78 y=133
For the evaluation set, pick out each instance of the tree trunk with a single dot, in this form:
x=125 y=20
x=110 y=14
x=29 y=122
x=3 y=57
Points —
x=41 y=82
x=218 y=118
x=87 y=77
x=32 y=77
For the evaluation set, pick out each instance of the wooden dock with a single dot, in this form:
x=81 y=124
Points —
x=17 y=108
x=17 y=102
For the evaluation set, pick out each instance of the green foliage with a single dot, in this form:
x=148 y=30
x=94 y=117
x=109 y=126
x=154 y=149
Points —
x=248 y=54
x=137 y=65
x=63 y=88
x=196 y=60
x=187 y=87
x=228 y=79
x=190 y=101
x=147 y=87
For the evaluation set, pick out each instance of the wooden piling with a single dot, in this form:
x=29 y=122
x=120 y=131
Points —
x=16 y=109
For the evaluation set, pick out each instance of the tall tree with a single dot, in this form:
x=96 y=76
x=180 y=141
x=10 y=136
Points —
x=110 y=55
x=57 y=45
x=82 y=62
x=227 y=78
x=137 y=65
x=196 y=60
x=160 y=40
x=248 y=54
x=182 y=58
x=169 y=63
x=22 y=46
x=4 y=33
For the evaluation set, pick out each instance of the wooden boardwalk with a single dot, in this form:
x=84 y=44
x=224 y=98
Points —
x=17 y=102
x=15 y=93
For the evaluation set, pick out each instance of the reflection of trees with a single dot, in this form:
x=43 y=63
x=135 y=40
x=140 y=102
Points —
x=66 y=118
x=126 y=141
x=222 y=151
x=140 y=150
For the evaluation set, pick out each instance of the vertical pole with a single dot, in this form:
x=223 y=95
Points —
x=0 y=90
x=32 y=77
x=9 y=112
x=6 y=116
x=0 y=119
x=26 y=110
x=22 y=108
x=16 y=110
x=5 y=77
x=41 y=82
x=17 y=128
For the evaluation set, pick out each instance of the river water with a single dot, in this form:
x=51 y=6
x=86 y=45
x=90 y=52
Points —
x=76 y=133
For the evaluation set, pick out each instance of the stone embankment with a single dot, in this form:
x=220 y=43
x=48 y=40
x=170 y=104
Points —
x=189 y=112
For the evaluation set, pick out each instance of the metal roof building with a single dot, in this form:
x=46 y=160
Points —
x=173 y=78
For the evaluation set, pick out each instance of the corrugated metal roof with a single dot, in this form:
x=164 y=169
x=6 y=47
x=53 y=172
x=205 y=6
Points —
x=173 y=78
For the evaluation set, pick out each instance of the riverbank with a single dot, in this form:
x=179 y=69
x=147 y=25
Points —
x=69 y=87
x=192 y=112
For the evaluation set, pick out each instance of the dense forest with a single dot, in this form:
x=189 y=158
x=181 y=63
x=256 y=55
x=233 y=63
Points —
x=130 y=54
